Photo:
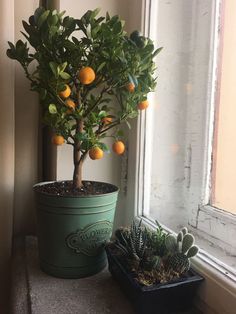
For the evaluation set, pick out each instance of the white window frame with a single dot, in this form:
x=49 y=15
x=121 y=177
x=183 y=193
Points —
x=197 y=202
x=219 y=277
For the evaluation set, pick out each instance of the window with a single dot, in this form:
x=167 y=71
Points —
x=224 y=152
x=178 y=182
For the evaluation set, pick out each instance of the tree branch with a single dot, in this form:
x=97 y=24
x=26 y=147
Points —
x=105 y=90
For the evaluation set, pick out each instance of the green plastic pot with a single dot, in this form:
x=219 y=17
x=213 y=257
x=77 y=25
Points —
x=72 y=232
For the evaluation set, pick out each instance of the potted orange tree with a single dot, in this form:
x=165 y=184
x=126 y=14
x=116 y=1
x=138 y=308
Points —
x=91 y=77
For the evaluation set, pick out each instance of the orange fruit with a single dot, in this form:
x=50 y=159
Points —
x=143 y=105
x=66 y=92
x=130 y=87
x=118 y=147
x=86 y=75
x=58 y=140
x=107 y=120
x=95 y=153
x=70 y=103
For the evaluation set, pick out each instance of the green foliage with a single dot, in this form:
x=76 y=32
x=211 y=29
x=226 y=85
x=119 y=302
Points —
x=156 y=240
x=155 y=255
x=60 y=47
x=59 y=53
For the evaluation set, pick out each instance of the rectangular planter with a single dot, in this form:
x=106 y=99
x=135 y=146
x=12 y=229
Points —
x=158 y=299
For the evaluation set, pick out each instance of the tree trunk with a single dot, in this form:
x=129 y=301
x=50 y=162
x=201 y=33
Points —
x=77 y=176
x=78 y=159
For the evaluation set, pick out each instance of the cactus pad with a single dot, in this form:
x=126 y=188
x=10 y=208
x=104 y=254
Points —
x=171 y=243
x=192 y=251
x=179 y=262
x=188 y=241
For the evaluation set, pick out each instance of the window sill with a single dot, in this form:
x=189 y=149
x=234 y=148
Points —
x=36 y=292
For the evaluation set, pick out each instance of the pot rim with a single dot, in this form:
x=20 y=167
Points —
x=117 y=189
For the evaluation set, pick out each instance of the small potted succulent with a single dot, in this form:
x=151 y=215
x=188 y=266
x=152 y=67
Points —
x=153 y=268
x=91 y=76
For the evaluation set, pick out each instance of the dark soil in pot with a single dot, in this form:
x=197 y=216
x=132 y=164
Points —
x=65 y=188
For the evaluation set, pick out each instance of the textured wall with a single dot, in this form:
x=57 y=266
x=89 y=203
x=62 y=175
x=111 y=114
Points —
x=6 y=147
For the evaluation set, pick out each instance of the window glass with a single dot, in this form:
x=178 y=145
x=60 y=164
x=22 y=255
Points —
x=177 y=127
x=224 y=153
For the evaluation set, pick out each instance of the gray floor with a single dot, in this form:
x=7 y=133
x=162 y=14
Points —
x=35 y=292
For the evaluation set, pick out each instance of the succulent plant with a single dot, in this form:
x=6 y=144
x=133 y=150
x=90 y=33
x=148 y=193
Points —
x=156 y=240
x=152 y=262
x=181 y=249
x=155 y=256
x=132 y=242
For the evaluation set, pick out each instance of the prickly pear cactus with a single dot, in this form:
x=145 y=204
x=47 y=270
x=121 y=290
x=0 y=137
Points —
x=187 y=242
x=179 y=262
x=181 y=249
x=171 y=243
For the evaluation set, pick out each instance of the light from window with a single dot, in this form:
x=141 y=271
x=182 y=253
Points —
x=224 y=164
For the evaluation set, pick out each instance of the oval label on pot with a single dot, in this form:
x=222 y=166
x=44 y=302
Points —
x=91 y=239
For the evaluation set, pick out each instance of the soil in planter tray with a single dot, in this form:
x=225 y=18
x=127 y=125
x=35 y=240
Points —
x=65 y=188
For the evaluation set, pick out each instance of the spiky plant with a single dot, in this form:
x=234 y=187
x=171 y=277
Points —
x=132 y=243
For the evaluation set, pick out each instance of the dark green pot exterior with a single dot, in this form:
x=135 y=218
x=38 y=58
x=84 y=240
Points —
x=72 y=232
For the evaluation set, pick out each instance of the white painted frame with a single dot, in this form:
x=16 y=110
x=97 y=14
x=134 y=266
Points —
x=201 y=211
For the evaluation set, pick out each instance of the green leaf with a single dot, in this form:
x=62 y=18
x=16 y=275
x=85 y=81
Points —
x=101 y=66
x=54 y=68
x=24 y=34
x=52 y=20
x=65 y=76
x=27 y=27
x=38 y=12
x=104 y=147
x=61 y=14
x=95 y=12
x=75 y=40
x=102 y=114
x=43 y=18
x=156 y=52
x=81 y=26
x=61 y=67
x=52 y=109
x=107 y=17
x=131 y=79
x=11 y=54
x=117 y=28
x=128 y=124
x=32 y=20
x=53 y=30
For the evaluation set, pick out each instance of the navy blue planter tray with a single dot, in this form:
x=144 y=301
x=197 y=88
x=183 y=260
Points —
x=172 y=297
